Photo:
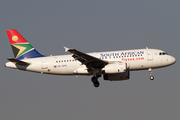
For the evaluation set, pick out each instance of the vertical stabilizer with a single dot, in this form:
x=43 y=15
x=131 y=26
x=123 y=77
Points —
x=21 y=48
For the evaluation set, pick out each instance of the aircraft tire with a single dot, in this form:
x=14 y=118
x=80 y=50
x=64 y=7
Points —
x=151 y=77
x=93 y=79
x=96 y=84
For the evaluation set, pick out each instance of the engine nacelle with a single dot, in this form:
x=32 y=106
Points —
x=115 y=68
x=117 y=76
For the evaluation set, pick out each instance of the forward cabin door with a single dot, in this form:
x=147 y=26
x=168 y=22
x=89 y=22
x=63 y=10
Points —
x=149 y=55
x=44 y=63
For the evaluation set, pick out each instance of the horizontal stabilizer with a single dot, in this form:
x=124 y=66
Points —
x=15 y=61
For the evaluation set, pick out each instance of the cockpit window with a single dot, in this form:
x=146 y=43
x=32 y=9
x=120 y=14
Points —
x=163 y=53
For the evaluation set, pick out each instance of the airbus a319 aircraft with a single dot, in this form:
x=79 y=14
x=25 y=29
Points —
x=112 y=65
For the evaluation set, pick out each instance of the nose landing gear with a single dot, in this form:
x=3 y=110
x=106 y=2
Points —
x=95 y=81
x=151 y=77
x=150 y=73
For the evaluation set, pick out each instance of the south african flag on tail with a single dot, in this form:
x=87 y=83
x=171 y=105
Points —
x=21 y=48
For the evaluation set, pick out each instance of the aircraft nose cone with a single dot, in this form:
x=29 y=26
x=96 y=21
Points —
x=173 y=60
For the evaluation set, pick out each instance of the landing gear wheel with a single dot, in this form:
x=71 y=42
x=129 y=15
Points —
x=96 y=84
x=151 y=77
x=93 y=79
x=150 y=73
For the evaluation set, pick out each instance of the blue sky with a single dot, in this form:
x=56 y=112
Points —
x=91 y=26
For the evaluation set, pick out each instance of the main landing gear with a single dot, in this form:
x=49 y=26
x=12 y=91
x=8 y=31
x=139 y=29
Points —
x=150 y=73
x=95 y=81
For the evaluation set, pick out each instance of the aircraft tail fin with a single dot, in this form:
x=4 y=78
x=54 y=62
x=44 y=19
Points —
x=21 y=48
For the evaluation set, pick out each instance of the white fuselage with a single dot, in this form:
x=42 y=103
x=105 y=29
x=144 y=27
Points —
x=138 y=59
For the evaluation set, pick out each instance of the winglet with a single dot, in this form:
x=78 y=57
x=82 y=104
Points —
x=66 y=49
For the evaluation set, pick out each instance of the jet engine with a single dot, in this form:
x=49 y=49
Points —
x=115 y=68
x=117 y=76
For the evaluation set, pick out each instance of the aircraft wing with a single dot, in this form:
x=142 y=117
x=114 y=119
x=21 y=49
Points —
x=88 y=60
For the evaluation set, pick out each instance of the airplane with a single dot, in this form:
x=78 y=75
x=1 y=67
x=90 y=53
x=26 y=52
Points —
x=112 y=65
